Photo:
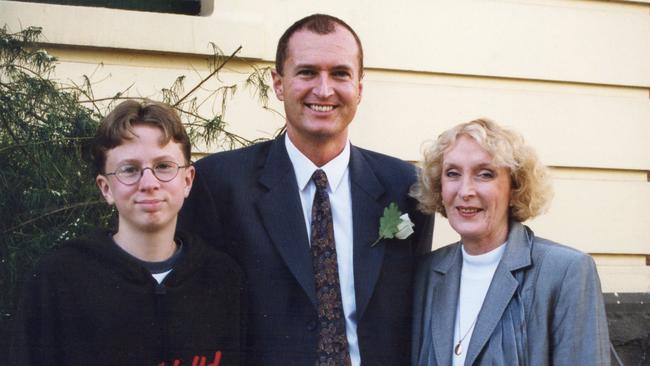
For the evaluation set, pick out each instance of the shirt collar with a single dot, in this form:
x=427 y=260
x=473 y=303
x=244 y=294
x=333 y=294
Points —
x=304 y=168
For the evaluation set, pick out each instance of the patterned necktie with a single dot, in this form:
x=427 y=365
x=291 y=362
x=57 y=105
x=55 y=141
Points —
x=332 y=348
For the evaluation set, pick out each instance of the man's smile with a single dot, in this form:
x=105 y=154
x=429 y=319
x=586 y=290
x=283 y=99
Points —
x=320 y=107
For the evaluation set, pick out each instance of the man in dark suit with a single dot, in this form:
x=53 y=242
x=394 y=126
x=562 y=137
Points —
x=263 y=206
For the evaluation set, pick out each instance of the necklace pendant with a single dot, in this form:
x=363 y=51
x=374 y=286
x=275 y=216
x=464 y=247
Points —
x=458 y=350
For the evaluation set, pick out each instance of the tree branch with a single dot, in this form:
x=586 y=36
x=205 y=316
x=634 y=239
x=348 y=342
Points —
x=209 y=76
x=76 y=205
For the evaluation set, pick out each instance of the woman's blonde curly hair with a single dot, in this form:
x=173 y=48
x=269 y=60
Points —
x=531 y=186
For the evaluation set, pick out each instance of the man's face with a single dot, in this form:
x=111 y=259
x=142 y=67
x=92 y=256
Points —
x=148 y=205
x=321 y=86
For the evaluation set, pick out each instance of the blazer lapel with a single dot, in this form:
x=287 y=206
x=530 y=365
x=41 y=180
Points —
x=366 y=191
x=445 y=298
x=502 y=288
x=280 y=210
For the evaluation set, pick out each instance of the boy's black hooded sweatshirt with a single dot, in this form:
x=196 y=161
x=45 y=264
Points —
x=90 y=303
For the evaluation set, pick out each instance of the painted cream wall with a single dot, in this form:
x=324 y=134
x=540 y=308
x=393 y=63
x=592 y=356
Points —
x=572 y=76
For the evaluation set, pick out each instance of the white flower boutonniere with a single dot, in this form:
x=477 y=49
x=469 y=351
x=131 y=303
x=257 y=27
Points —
x=394 y=224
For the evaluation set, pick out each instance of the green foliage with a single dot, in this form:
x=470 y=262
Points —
x=388 y=222
x=47 y=189
x=46 y=192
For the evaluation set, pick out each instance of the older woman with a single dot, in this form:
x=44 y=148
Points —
x=501 y=295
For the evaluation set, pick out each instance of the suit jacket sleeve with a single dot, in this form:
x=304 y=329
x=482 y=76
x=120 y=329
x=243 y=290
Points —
x=424 y=239
x=200 y=212
x=579 y=333
x=424 y=224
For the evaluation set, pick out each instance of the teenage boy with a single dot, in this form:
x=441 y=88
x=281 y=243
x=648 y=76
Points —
x=144 y=294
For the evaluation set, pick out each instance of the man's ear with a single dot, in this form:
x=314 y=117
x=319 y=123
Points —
x=104 y=188
x=277 y=85
x=188 y=179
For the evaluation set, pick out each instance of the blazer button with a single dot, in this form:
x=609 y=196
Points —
x=311 y=325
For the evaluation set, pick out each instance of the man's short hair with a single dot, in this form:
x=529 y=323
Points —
x=319 y=24
x=117 y=127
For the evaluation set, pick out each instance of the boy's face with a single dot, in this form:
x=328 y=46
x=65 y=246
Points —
x=148 y=205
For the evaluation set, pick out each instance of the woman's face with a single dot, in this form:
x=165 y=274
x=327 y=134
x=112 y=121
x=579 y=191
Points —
x=476 y=195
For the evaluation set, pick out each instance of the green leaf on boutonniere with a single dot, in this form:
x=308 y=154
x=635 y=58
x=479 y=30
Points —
x=394 y=224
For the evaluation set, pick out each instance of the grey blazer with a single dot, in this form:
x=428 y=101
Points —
x=544 y=307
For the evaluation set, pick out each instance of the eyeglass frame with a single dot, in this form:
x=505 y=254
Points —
x=153 y=172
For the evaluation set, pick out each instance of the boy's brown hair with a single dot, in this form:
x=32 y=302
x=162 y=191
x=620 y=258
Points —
x=117 y=126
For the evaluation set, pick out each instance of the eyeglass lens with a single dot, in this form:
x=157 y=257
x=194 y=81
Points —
x=164 y=171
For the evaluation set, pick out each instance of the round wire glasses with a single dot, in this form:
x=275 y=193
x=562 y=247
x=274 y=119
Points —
x=130 y=174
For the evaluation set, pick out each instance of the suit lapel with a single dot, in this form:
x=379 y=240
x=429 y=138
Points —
x=502 y=289
x=280 y=210
x=498 y=297
x=445 y=298
x=366 y=191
